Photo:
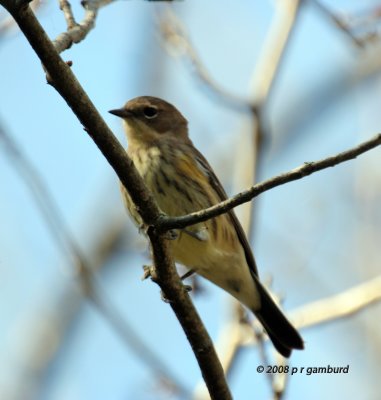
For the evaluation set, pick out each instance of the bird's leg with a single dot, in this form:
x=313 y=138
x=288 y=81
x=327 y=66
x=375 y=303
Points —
x=143 y=229
x=148 y=272
x=187 y=274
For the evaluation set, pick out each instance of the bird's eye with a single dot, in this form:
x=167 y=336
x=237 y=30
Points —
x=150 y=112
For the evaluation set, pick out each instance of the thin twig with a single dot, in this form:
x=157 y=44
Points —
x=65 y=6
x=365 y=18
x=341 y=23
x=300 y=172
x=279 y=380
x=77 y=31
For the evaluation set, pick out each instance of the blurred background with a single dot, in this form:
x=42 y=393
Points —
x=315 y=237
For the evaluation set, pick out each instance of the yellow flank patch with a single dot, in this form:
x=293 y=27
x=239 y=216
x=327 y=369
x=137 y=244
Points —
x=188 y=167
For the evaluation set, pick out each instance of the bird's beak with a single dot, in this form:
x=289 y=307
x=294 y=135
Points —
x=121 y=112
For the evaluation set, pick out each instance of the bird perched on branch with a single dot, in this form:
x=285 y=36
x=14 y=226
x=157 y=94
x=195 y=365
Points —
x=182 y=181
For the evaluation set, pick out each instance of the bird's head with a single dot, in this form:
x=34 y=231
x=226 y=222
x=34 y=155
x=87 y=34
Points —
x=148 y=119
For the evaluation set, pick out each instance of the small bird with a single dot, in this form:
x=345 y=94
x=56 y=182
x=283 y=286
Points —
x=182 y=181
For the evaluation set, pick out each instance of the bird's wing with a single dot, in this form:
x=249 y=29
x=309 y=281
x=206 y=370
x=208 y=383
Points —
x=221 y=194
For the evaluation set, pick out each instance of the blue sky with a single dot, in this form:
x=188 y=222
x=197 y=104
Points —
x=315 y=237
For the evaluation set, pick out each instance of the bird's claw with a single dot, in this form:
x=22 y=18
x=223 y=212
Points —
x=172 y=234
x=143 y=228
x=188 y=288
x=148 y=272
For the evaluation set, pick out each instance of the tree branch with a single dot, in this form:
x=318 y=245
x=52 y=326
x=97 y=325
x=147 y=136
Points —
x=64 y=81
x=76 y=32
x=65 y=7
x=341 y=305
x=176 y=294
x=165 y=223
x=274 y=47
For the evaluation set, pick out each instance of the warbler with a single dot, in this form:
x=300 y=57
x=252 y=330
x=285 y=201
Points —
x=182 y=181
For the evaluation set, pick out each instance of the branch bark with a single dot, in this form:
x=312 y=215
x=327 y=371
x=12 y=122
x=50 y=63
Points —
x=308 y=168
x=197 y=335
x=64 y=81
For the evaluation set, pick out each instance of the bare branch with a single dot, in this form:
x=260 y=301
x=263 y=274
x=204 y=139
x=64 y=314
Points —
x=338 y=306
x=366 y=17
x=77 y=31
x=273 y=49
x=69 y=88
x=279 y=380
x=300 y=172
x=65 y=6
x=176 y=294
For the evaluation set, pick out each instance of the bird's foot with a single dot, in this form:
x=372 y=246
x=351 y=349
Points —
x=172 y=234
x=148 y=272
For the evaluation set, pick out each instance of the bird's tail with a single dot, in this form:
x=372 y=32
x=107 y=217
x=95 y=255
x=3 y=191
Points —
x=283 y=335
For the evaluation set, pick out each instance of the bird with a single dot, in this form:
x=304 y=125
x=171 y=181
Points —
x=182 y=181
